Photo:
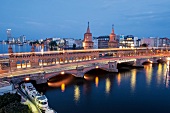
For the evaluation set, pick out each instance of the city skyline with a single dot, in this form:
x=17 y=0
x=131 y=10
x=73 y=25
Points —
x=42 y=19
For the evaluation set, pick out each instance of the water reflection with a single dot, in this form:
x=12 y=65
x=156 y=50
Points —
x=148 y=71
x=62 y=87
x=108 y=86
x=133 y=80
x=97 y=81
x=167 y=75
x=118 y=79
x=159 y=73
x=76 y=93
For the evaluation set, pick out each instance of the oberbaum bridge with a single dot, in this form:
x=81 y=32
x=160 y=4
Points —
x=41 y=66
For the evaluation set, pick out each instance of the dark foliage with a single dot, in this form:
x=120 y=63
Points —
x=10 y=103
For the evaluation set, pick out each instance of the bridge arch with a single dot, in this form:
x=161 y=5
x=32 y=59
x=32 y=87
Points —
x=65 y=60
x=70 y=59
x=51 y=75
x=53 y=61
x=57 y=60
x=92 y=68
x=44 y=62
x=49 y=61
x=84 y=58
x=18 y=63
x=87 y=57
x=23 y=64
x=74 y=59
x=40 y=62
x=28 y=63
x=61 y=61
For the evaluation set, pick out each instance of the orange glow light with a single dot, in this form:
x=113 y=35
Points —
x=63 y=87
x=62 y=72
x=27 y=78
x=97 y=81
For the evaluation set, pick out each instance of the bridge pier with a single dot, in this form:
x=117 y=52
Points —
x=138 y=63
x=40 y=79
x=155 y=60
x=80 y=72
x=112 y=66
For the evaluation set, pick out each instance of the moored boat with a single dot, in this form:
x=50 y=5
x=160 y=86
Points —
x=40 y=100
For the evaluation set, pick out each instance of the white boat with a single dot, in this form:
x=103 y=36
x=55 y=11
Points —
x=40 y=100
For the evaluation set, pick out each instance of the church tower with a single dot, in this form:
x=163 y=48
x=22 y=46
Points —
x=87 y=42
x=112 y=41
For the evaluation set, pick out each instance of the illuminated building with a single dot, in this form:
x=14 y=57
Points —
x=164 y=42
x=112 y=41
x=128 y=41
x=87 y=42
x=9 y=36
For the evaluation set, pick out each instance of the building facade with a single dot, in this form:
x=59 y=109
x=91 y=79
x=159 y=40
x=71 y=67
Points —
x=102 y=41
x=164 y=42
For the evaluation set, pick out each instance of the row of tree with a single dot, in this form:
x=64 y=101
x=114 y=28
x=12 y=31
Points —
x=10 y=103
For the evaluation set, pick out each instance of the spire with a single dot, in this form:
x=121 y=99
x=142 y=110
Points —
x=88 y=28
x=113 y=28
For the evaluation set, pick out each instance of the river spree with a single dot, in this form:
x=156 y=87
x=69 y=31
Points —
x=144 y=90
x=17 y=48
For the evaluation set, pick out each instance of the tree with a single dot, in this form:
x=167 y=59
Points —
x=74 y=46
x=52 y=44
x=10 y=103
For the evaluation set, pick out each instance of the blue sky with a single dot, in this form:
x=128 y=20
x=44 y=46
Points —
x=68 y=18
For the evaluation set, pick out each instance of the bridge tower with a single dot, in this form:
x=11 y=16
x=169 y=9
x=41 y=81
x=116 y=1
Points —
x=87 y=42
x=112 y=41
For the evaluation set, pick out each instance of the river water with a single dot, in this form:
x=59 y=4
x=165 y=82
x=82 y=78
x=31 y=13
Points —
x=144 y=90
x=17 y=48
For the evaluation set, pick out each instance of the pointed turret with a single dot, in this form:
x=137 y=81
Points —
x=88 y=28
x=113 y=32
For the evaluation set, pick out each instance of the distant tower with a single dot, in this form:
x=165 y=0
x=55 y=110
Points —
x=87 y=42
x=9 y=37
x=112 y=41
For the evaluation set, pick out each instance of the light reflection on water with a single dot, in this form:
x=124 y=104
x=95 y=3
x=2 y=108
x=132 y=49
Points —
x=148 y=71
x=133 y=79
x=76 y=93
x=97 y=81
x=108 y=86
x=118 y=88
x=118 y=79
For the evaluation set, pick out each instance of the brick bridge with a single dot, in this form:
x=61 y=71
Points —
x=41 y=66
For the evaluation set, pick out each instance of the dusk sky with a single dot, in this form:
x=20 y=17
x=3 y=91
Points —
x=68 y=19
